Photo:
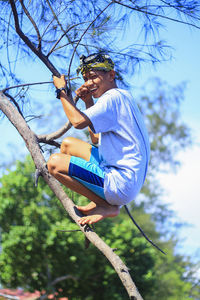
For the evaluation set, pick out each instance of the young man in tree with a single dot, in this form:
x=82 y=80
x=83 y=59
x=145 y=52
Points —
x=111 y=175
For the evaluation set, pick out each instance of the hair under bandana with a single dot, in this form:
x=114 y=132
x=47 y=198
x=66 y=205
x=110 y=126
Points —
x=97 y=61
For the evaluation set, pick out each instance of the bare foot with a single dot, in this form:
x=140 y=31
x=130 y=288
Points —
x=87 y=208
x=99 y=213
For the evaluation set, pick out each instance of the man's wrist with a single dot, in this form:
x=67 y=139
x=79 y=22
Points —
x=58 y=91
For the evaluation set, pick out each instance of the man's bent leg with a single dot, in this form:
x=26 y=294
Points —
x=58 y=166
x=76 y=147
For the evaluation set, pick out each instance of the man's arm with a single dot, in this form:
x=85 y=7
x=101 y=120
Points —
x=75 y=116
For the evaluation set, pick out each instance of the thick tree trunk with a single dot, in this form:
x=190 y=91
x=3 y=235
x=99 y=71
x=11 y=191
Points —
x=32 y=144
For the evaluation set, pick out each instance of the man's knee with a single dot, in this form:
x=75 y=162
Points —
x=67 y=145
x=53 y=163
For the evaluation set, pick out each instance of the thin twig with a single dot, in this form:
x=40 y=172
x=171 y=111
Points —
x=45 y=30
x=33 y=23
x=64 y=34
x=67 y=44
x=32 y=117
x=55 y=16
x=52 y=143
x=142 y=232
x=177 y=8
x=29 y=84
x=24 y=84
x=68 y=230
x=63 y=278
x=156 y=15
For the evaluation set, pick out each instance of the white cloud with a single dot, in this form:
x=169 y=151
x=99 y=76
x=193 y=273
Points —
x=183 y=193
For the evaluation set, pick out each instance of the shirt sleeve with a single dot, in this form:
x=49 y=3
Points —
x=103 y=114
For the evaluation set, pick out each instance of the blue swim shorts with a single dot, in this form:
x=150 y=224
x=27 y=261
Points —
x=89 y=173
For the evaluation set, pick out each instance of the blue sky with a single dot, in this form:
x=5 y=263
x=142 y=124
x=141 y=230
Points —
x=182 y=188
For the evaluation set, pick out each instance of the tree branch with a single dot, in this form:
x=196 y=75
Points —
x=31 y=143
x=45 y=138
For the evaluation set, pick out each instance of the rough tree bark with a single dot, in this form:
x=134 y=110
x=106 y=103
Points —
x=31 y=141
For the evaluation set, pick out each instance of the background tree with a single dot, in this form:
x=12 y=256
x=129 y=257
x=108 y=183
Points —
x=41 y=31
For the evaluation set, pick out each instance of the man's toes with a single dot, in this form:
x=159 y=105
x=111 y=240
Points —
x=83 y=220
x=87 y=220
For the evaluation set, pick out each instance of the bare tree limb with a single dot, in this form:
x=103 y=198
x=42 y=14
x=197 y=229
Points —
x=31 y=143
x=45 y=138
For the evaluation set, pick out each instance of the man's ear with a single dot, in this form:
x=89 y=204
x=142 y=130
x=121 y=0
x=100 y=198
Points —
x=112 y=75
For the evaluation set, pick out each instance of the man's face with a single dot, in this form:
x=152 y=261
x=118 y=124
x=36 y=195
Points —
x=98 y=82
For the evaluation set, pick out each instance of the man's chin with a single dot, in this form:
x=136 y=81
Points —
x=96 y=94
